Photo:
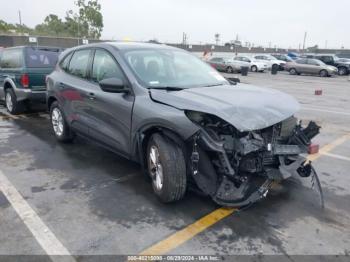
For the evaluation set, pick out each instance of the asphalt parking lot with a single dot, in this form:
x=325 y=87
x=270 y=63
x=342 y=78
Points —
x=79 y=199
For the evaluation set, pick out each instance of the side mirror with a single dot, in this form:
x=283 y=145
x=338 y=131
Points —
x=113 y=85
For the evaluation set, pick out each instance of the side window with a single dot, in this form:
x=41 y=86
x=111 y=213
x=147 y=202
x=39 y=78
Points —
x=312 y=62
x=79 y=63
x=301 y=61
x=327 y=59
x=65 y=62
x=104 y=66
x=12 y=58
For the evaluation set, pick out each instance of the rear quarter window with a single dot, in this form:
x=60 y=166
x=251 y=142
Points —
x=41 y=58
x=64 y=64
x=12 y=58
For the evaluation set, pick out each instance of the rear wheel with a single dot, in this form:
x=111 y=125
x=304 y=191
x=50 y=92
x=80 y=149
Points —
x=229 y=70
x=12 y=105
x=293 y=71
x=167 y=168
x=323 y=73
x=59 y=124
x=254 y=68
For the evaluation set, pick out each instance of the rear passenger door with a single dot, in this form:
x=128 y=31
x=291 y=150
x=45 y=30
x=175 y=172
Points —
x=301 y=66
x=75 y=88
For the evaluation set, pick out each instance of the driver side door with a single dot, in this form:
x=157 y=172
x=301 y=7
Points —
x=110 y=113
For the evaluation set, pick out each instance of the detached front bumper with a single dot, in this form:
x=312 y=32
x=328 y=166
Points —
x=245 y=174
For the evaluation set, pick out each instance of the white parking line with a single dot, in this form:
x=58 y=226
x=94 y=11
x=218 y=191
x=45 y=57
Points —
x=337 y=156
x=40 y=231
x=326 y=111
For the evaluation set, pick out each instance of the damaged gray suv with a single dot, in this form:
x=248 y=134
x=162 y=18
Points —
x=185 y=124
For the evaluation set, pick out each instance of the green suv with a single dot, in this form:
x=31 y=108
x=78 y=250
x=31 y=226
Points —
x=23 y=72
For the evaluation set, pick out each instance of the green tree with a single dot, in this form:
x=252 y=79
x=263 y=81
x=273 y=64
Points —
x=90 y=18
x=52 y=25
x=88 y=22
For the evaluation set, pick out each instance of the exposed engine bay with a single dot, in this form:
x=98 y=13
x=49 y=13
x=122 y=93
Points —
x=238 y=168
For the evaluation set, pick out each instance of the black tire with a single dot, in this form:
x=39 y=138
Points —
x=323 y=73
x=15 y=107
x=342 y=71
x=66 y=135
x=229 y=70
x=293 y=71
x=254 y=68
x=173 y=166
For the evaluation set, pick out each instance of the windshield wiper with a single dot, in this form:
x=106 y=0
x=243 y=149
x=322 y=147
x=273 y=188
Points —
x=169 y=88
x=214 y=85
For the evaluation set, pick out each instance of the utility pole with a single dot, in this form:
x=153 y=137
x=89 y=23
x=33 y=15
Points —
x=304 y=41
x=184 y=38
x=20 y=19
x=217 y=38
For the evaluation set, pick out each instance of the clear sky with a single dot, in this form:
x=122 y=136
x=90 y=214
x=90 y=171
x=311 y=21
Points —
x=280 y=22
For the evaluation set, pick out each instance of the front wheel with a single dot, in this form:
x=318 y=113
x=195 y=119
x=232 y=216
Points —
x=254 y=68
x=323 y=73
x=59 y=124
x=167 y=168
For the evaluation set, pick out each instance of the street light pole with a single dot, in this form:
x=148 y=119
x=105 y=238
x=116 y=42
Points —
x=304 y=41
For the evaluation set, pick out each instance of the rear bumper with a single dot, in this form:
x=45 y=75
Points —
x=28 y=94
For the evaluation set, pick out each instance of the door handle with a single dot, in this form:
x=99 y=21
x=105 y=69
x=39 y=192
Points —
x=91 y=96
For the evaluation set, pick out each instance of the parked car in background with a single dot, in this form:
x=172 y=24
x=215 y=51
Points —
x=343 y=65
x=282 y=57
x=22 y=75
x=293 y=55
x=310 y=66
x=333 y=60
x=254 y=65
x=344 y=55
x=224 y=64
x=270 y=61
x=180 y=120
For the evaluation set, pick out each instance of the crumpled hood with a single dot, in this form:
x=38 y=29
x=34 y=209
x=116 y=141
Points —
x=246 y=107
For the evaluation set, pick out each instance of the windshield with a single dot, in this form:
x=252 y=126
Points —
x=157 y=68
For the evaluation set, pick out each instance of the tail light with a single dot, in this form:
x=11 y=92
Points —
x=25 y=80
x=313 y=149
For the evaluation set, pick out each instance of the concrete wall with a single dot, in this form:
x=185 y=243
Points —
x=66 y=42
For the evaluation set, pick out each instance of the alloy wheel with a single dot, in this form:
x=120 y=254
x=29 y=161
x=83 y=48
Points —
x=156 y=169
x=57 y=121
x=9 y=104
